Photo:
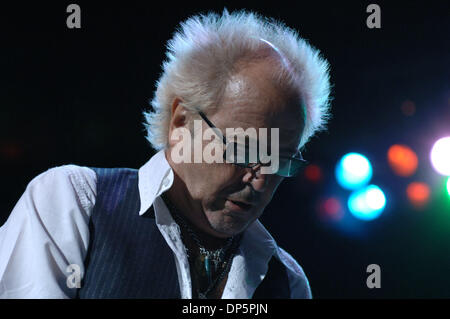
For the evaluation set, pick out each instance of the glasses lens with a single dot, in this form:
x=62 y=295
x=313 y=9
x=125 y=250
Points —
x=290 y=167
x=240 y=154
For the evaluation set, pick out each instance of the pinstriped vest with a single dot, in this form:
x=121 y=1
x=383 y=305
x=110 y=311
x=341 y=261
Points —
x=129 y=258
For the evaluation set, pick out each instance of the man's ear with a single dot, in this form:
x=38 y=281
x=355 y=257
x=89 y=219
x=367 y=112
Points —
x=179 y=116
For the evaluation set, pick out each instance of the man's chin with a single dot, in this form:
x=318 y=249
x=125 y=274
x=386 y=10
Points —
x=228 y=225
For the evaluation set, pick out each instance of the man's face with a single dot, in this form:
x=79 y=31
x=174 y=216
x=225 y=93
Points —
x=232 y=197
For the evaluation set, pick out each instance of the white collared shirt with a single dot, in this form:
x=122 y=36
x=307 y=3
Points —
x=48 y=230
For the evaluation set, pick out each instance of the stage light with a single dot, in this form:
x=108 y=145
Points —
x=418 y=194
x=353 y=171
x=10 y=150
x=408 y=108
x=402 y=160
x=367 y=203
x=331 y=209
x=448 y=186
x=313 y=173
x=440 y=156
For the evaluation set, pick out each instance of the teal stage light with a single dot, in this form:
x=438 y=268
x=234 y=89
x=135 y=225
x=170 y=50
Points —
x=367 y=203
x=353 y=171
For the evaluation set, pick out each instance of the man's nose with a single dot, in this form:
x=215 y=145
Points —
x=254 y=177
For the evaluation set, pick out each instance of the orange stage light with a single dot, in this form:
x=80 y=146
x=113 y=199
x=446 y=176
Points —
x=418 y=193
x=403 y=160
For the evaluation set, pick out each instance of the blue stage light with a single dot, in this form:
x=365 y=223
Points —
x=353 y=171
x=367 y=203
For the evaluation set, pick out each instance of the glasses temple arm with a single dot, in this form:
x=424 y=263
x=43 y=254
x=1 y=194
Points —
x=211 y=125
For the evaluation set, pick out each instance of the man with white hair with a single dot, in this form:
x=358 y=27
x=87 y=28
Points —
x=189 y=228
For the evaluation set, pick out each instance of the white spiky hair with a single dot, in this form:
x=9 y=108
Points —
x=201 y=56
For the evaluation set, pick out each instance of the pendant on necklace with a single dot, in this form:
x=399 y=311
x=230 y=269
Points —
x=208 y=269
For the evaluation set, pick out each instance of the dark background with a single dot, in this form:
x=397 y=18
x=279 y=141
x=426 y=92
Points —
x=76 y=96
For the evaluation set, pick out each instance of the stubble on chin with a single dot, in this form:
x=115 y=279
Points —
x=227 y=224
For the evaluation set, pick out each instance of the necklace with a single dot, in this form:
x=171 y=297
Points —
x=213 y=264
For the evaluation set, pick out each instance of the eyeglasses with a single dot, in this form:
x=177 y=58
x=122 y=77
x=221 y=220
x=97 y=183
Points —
x=287 y=167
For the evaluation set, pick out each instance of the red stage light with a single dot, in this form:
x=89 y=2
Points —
x=331 y=208
x=313 y=173
x=408 y=108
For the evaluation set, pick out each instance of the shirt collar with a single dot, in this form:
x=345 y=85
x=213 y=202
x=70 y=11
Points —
x=251 y=263
x=154 y=178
